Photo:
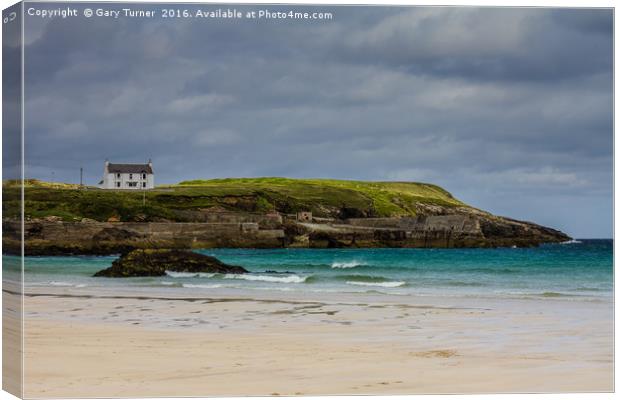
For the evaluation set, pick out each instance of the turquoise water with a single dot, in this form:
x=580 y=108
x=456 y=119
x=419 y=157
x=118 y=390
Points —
x=576 y=270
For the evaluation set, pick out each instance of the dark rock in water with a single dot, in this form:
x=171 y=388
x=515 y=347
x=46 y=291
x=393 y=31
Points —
x=155 y=262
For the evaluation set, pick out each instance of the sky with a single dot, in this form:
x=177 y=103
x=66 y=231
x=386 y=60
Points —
x=509 y=109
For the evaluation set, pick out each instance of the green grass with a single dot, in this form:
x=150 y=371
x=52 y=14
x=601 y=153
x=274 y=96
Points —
x=386 y=198
x=324 y=197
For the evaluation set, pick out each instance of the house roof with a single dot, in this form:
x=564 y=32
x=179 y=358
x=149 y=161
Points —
x=130 y=168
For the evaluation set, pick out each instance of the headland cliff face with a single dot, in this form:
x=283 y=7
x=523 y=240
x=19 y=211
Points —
x=54 y=237
x=277 y=218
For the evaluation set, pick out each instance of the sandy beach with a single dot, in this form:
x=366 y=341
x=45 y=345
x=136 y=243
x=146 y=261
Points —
x=81 y=344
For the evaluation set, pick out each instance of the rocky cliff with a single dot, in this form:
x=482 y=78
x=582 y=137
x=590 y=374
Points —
x=45 y=237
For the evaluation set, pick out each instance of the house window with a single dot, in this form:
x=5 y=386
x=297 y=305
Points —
x=143 y=184
x=118 y=176
x=143 y=176
x=118 y=184
x=130 y=176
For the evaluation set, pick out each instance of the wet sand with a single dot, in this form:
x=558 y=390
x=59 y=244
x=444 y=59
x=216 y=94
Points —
x=81 y=344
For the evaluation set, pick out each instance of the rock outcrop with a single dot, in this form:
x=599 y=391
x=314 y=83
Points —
x=449 y=227
x=155 y=262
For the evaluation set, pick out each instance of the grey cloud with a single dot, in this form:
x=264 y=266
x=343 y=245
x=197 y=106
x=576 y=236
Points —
x=487 y=43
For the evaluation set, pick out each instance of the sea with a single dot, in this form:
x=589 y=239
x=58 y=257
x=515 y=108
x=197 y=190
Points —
x=575 y=270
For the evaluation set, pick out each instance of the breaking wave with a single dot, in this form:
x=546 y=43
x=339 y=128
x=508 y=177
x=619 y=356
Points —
x=347 y=264
x=268 y=278
x=166 y=283
x=173 y=274
x=391 y=284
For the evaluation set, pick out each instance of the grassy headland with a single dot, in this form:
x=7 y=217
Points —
x=324 y=197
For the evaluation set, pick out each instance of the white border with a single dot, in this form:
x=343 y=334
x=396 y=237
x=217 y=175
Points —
x=484 y=3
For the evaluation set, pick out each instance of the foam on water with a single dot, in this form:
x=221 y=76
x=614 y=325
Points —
x=197 y=286
x=66 y=284
x=347 y=264
x=268 y=278
x=166 y=283
x=380 y=284
x=173 y=274
x=572 y=241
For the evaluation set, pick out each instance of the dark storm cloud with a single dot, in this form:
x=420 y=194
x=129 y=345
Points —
x=487 y=44
x=510 y=109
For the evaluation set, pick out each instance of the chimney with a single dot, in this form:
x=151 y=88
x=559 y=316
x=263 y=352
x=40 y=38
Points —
x=150 y=163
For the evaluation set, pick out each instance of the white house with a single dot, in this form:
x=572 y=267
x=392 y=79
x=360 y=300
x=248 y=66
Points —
x=128 y=176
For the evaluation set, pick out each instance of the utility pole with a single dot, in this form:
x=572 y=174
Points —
x=81 y=176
